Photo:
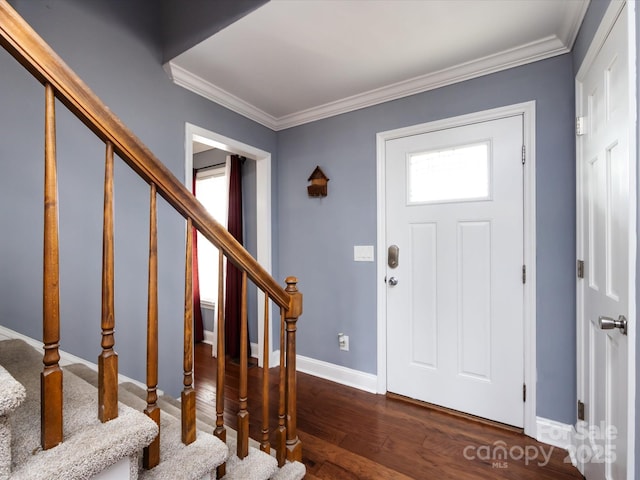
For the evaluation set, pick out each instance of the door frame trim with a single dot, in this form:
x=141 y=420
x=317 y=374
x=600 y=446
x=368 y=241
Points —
x=527 y=110
x=608 y=20
x=263 y=208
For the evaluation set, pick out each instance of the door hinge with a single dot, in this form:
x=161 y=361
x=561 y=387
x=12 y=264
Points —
x=580 y=268
x=580 y=126
x=580 y=410
x=524 y=274
x=524 y=392
x=524 y=154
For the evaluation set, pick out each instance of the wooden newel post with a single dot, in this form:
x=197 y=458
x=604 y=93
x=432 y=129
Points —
x=294 y=446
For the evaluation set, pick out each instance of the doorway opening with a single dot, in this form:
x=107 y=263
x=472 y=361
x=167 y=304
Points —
x=262 y=164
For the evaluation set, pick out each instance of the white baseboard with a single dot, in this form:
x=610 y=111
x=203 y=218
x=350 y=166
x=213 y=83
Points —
x=255 y=350
x=332 y=372
x=67 y=358
x=555 y=433
x=337 y=373
x=210 y=338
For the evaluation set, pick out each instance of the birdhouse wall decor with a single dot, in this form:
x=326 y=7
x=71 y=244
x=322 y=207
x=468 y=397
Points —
x=318 y=187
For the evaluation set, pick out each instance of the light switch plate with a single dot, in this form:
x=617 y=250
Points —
x=363 y=253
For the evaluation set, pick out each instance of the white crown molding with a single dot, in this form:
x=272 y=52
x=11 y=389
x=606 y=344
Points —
x=532 y=52
x=540 y=50
x=198 y=85
x=572 y=21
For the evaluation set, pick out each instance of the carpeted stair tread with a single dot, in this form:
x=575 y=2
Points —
x=12 y=392
x=176 y=459
x=256 y=466
x=89 y=445
x=290 y=471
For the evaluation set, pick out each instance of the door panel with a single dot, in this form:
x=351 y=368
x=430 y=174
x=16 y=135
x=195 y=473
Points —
x=604 y=228
x=454 y=206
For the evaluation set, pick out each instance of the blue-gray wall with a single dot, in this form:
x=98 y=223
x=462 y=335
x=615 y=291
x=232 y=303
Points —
x=588 y=29
x=117 y=53
x=317 y=235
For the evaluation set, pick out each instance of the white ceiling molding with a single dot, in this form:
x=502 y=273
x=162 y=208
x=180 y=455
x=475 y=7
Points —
x=535 y=51
x=573 y=20
x=515 y=57
x=198 y=85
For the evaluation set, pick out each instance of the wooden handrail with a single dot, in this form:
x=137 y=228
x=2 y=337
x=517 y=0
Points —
x=28 y=48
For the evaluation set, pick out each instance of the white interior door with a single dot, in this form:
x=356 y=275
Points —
x=454 y=210
x=603 y=242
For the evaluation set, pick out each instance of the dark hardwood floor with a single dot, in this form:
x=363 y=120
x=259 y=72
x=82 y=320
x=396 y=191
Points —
x=348 y=434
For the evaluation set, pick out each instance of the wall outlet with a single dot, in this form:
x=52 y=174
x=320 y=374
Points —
x=343 y=342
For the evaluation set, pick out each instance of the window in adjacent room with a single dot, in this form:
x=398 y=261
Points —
x=211 y=191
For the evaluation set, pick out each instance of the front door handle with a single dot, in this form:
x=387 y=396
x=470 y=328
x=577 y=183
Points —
x=393 y=281
x=608 y=323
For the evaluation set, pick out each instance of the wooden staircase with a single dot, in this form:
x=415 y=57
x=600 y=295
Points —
x=61 y=83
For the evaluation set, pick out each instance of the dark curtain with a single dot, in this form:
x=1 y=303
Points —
x=233 y=297
x=198 y=326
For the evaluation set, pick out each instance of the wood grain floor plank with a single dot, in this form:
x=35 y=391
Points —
x=361 y=467
x=349 y=434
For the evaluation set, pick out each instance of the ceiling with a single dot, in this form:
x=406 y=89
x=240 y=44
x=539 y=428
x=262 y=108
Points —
x=295 y=61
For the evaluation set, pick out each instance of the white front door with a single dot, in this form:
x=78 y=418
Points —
x=454 y=210
x=603 y=243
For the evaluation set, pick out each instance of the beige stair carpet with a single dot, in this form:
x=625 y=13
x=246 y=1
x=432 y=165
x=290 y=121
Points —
x=256 y=466
x=12 y=394
x=89 y=446
x=177 y=460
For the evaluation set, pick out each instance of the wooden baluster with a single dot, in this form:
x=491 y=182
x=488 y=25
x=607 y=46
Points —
x=220 y=430
x=243 y=413
x=188 y=393
x=51 y=376
x=294 y=446
x=151 y=454
x=264 y=444
x=108 y=358
x=281 y=431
